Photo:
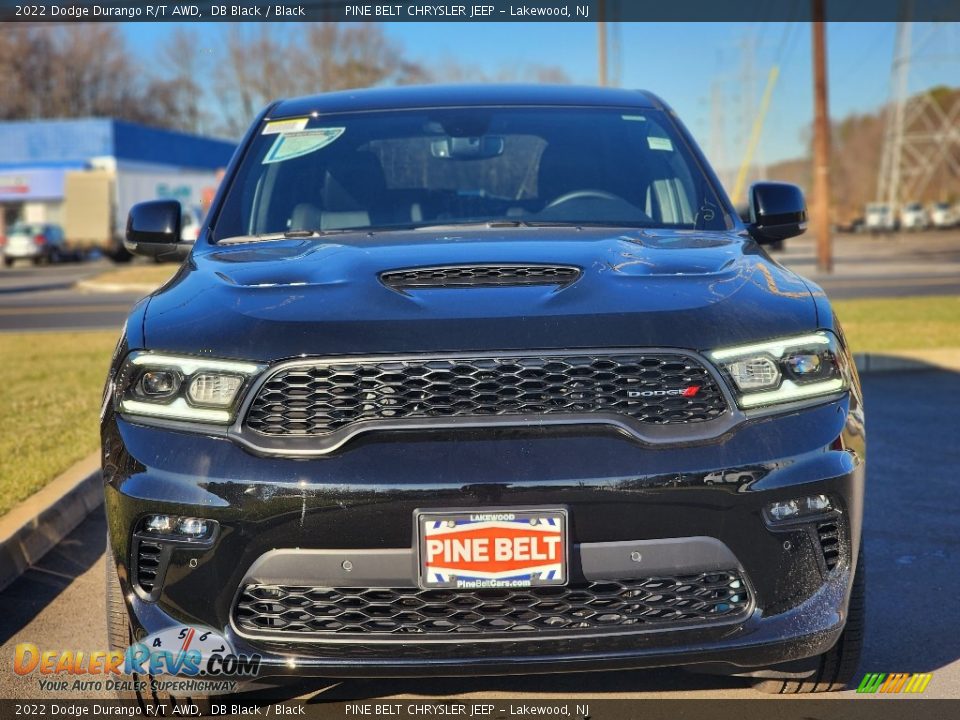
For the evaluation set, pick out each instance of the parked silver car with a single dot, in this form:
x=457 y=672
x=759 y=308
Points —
x=39 y=242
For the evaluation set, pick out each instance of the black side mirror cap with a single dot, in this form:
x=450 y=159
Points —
x=153 y=230
x=777 y=212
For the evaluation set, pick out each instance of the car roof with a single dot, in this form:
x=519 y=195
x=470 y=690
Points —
x=431 y=96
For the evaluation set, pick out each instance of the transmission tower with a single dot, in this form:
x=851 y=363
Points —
x=748 y=105
x=921 y=137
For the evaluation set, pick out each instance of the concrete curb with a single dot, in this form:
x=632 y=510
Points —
x=93 y=286
x=39 y=523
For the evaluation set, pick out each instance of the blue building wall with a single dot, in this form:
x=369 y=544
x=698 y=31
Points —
x=47 y=143
x=71 y=143
x=167 y=147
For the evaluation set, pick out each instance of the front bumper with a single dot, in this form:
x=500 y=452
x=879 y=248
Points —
x=617 y=491
x=20 y=252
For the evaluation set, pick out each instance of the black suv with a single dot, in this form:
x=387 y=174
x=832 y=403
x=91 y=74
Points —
x=486 y=380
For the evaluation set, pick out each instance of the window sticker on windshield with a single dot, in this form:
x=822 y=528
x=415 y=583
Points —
x=296 y=144
x=660 y=143
x=275 y=127
x=635 y=118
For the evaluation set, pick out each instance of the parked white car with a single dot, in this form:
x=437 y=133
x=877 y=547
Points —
x=914 y=217
x=879 y=218
x=943 y=216
x=191 y=221
x=38 y=242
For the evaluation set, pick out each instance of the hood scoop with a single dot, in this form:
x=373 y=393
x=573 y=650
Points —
x=462 y=276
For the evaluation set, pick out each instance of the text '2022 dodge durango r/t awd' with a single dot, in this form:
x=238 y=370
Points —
x=486 y=380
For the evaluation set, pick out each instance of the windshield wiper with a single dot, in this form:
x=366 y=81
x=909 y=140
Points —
x=493 y=224
x=290 y=235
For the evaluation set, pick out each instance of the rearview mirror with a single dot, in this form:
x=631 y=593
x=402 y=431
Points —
x=467 y=148
x=153 y=230
x=777 y=212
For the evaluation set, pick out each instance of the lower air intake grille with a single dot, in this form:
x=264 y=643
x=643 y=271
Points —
x=480 y=276
x=148 y=564
x=319 y=398
x=829 y=535
x=640 y=602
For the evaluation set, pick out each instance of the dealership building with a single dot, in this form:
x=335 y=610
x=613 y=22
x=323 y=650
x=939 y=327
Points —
x=148 y=163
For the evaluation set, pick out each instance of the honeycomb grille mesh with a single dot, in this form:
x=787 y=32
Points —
x=480 y=275
x=311 y=400
x=651 y=601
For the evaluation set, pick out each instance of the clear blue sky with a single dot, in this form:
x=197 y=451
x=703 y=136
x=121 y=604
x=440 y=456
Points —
x=682 y=62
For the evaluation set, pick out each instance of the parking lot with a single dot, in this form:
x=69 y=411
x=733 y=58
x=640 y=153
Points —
x=911 y=544
x=890 y=265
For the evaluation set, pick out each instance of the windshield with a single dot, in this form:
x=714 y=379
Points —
x=22 y=228
x=403 y=169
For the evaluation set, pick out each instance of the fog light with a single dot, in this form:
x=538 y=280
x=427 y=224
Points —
x=173 y=527
x=818 y=503
x=798 y=508
x=784 y=510
x=159 y=524
x=192 y=527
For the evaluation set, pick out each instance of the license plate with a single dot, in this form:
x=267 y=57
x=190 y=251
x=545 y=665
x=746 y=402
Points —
x=492 y=548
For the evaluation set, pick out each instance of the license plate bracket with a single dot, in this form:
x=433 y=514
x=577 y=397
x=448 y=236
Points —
x=492 y=548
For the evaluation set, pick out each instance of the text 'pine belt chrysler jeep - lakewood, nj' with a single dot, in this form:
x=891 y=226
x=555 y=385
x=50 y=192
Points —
x=486 y=380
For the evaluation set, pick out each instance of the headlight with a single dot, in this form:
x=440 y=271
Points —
x=182 y=388
x=784 y=370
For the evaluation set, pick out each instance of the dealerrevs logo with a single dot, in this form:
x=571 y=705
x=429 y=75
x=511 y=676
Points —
x=185 y=651
x=689 y=391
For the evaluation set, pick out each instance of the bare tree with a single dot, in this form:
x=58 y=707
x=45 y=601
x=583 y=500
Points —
x=87 y=70
x=183 y=65
x=67 y=71
x=452 y=70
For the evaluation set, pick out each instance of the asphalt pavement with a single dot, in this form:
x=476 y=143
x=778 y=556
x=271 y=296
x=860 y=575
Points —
x=44 y=298
x=883 y=265
x=912 y=551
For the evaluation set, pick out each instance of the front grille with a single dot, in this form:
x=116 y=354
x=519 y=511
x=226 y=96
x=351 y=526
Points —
x=640 y=602
x=323 y=397
x=480 y=276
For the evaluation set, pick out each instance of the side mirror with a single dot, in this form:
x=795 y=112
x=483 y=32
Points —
x=777 y=212
x=153 y=230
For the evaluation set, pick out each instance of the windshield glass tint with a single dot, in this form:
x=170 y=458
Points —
x=404 y=169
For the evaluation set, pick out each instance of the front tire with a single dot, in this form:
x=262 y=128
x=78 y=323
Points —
x=837 y=667
x=120 y=637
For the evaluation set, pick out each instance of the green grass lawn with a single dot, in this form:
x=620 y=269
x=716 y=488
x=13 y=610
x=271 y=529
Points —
x=910 y=323
x=52 y=382
x=49 y=406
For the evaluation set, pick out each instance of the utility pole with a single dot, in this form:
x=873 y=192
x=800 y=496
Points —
x=821 y=141
x=602 y=41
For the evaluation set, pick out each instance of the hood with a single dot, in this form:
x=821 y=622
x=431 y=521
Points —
x=279 y=299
